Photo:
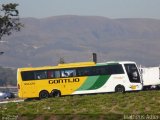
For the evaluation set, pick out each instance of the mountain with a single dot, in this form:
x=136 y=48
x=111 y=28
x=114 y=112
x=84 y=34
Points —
x=43 y=41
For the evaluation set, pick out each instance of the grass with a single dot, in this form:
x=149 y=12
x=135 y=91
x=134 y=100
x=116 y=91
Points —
x=99 y=106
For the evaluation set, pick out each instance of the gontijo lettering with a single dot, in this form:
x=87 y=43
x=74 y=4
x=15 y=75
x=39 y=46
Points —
x=56 y=81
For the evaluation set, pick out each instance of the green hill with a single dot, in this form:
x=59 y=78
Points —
x=100 y=106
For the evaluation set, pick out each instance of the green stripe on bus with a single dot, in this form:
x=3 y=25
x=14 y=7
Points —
x=94 y=82
x=88 y=83
x=100 y=82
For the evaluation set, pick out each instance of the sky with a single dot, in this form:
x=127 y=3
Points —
x=105 y=8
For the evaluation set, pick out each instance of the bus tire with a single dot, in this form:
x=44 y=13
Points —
x=120 y=89
x=56 y=93
x=43 y=94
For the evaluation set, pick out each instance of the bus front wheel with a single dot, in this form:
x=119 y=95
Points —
x=43 y=94
x=120 y=89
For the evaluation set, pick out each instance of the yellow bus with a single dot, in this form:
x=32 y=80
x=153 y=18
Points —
x=78 y=78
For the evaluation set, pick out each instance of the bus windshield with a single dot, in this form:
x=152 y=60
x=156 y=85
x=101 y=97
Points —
x=132 y=73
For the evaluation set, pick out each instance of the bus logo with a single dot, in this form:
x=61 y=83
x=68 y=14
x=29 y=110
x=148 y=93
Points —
x=56 y=81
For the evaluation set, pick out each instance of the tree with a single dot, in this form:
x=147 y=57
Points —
x=7 y=76
x=9 y=19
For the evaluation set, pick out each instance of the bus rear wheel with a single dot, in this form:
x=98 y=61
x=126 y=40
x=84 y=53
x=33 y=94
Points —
x=120 y=89
x=43 y=94
x=56 y=93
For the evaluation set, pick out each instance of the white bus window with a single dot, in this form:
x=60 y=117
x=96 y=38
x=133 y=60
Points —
x=115 y=69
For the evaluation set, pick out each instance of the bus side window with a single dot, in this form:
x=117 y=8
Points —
x=50 y=74
x=79 y=72
x=116 y=69
x=103 y=71
x=57 y=74
x=72 y=73
x=68 y=73
x=64 y=73
x=84 y=71
x=27 y=75
x=40 y=75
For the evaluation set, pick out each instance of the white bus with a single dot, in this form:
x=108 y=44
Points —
x=78 y=78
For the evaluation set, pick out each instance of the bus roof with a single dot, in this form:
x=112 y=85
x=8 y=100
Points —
x=79 y=64
x=66 y=65
x=71 y=65
x=115 y=62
